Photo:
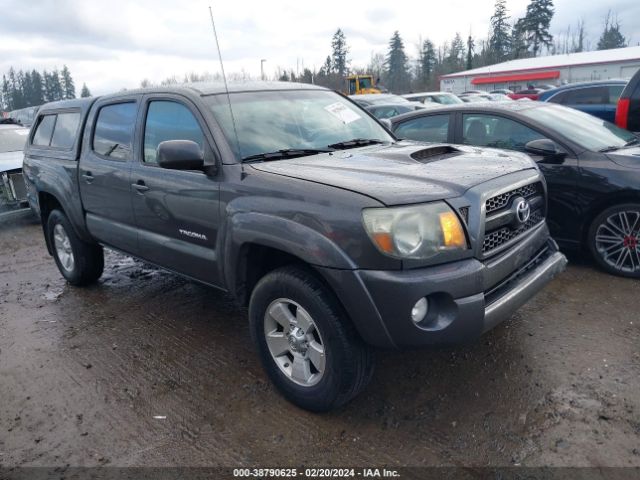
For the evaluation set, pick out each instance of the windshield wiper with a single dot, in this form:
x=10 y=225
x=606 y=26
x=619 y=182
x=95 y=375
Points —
x=285 y=153
x=611 y=148
x=356 y=142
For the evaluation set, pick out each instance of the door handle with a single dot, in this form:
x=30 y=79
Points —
x=87 y=177
x=140 y=186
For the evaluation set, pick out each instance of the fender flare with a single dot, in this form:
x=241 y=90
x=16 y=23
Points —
x=296 y=239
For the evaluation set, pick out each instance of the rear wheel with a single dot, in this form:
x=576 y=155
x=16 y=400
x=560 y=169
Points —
x=79 y=262
x=306 y=343
x=614 y=240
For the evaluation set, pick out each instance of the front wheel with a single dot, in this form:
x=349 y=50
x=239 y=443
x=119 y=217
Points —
x=79 y=262
x=614 y=240
x=307 y=344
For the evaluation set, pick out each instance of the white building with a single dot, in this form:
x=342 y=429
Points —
x=552 y=70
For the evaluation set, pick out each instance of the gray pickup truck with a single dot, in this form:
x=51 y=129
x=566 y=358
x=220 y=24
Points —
x=336 y=235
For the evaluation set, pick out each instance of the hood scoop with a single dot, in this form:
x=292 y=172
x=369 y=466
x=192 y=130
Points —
x=437 y=152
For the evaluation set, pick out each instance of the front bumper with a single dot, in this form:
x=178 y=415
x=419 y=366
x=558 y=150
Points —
x=466 y=298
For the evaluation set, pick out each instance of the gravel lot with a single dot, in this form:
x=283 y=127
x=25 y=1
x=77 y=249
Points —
x=149 y=369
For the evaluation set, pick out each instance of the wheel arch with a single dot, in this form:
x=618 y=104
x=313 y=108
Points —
x=597 y=207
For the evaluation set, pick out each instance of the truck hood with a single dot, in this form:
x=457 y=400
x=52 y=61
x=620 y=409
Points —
x=403 y=173
x=626 y=157
x=11 y=161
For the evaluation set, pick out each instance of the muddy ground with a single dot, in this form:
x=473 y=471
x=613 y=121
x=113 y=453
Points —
x=149 y=369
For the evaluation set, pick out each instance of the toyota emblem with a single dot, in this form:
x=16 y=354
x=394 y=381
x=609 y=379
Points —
x=523 y=211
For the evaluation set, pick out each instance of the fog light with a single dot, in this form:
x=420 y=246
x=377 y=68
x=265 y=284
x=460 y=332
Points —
x=419 y=310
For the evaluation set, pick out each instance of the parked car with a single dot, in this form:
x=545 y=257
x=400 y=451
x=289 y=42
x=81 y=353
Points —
x=592 y=168
x=369 y=99
x=474 y=98
x=597 y=98
x=301 y=205
x=12 y=188
x=498 y=97
x=530 y=93
x=24 y=116
x=444 y=98
x=628 y=108
x=472 y=92
x=504 y=91
x=394 y=109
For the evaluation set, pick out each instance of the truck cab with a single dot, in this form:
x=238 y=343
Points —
x=361 y=84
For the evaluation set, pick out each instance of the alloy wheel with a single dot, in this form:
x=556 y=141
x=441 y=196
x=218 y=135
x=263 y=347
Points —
x=294 y=342
x=618 y=241
x=62 y=244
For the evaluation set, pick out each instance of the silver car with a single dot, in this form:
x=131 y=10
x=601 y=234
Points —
x=13 y=193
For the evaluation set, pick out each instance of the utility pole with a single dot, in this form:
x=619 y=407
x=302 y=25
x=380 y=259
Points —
x=262 y=68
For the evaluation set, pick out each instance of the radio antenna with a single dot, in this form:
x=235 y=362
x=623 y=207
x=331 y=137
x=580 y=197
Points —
x=224 y=78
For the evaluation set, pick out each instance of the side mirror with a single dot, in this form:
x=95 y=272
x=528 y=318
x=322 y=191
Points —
x=386 y=123
x=180 y=155
x=548 y=149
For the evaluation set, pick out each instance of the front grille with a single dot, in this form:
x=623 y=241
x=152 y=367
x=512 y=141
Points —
x=19 y=187
x=501 y=236
x=506 y=227
x=501 y=201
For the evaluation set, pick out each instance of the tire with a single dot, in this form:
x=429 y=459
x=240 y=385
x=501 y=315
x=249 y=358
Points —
x=614 y=240
x=86 y=261
x=319 y=322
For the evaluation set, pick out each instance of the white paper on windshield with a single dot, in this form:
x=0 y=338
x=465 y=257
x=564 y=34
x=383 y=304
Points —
x=342 y=112
x=21 y=132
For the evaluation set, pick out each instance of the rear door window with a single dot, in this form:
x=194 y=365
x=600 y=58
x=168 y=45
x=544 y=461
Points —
x=113 y=134
x=589 y=96
x=64 y=133
x=42 y=136
x=433 y=128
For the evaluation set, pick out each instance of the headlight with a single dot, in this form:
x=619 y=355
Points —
x=418 y=231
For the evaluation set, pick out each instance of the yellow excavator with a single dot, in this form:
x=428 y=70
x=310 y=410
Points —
x=360 y=84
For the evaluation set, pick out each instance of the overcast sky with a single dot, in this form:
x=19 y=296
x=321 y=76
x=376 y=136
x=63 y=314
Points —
x=116 y=43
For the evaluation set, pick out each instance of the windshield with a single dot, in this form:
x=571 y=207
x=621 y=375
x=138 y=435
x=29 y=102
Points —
x=365 y=82
x=292 y=119
x=447 y=99
x=590 y=132
x=384 y=99
x=13 y=139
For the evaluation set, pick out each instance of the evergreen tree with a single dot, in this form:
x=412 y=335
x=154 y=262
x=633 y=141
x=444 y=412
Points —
x=519 y=45
x=37 y=89
x=339 y=53
x=537 y=22
x=327 y=67
x=68 y=86
x=85 y=92
x=15 y=90
x=499 y=40
x=7 y=100
x=470 y=52
x=578 y=42
x=455 y=59
x=56 y=84
x=611 y=36
x=427 y=63
x=396 y=66
x=27 y=88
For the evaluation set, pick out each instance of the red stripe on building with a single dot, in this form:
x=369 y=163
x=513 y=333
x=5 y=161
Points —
x=524 y=77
